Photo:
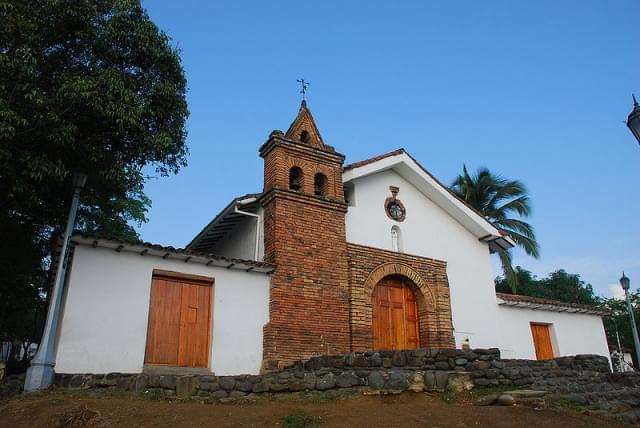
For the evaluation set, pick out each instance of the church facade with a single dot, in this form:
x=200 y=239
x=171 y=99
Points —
x=327 y=259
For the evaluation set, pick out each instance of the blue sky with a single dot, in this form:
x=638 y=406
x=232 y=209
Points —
x=535 y=91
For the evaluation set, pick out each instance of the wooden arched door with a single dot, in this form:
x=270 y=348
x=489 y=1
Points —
x=395 y=315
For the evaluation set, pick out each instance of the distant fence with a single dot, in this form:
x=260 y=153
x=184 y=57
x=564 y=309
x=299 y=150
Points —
x=14 y=351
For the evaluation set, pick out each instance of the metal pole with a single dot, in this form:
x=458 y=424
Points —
x=40 y=374
x=620 y=354
x=634 y=329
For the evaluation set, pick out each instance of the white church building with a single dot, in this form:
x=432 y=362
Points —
x=326 y=259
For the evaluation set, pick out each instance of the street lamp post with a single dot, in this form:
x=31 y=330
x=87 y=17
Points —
x=624 y=282
x=40 y=374
x=633 y=121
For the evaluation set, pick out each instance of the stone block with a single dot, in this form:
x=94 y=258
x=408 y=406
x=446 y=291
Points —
x=416 y=361
x=168 y=382
x=126 y=383
x=227 y=383
x=416 y=382
x=441 y=379
x=375 y=360
x=399 y=359
x=419 y=352
x=492 y=373
x=481 y=364
x=510 y=372
x=486 y=400
x=347 y=380
x=244 y=386
x=449 y=353
x=77 y=381
x=397 y=381
x=442 y=365
x=309 y=381
x=186 y=386
x=430 y=381
x=459 y=382
x=154 y=381
x=376 y=380
x=523 y=381
x=141 y=383
x=498 y=364
x=505 y=400
x=481 y=382
x=219 y=394
x=260 y=387
x=209 y=386
x=326 y=382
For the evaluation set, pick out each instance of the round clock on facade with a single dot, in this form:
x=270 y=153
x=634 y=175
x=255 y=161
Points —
x=395 y=210
x=393 y=207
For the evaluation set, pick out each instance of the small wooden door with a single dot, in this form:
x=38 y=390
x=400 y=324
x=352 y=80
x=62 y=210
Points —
x=542 y=341
x=395 y=315
x=179 y=320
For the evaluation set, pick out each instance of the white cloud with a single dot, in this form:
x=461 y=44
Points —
x=615 y=291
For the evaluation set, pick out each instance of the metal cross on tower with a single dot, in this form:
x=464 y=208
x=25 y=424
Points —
x=304 y=85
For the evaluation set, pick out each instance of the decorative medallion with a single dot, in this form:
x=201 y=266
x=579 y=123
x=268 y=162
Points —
x=393 y=207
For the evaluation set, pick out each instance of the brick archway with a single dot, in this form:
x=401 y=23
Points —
x=427 y=278
x=418 y=283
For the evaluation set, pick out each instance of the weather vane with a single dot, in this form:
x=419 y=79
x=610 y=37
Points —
x=304 y=85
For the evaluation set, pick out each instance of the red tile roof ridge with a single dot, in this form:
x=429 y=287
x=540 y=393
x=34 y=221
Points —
x=374 y=159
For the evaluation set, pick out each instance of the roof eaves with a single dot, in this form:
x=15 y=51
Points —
x=219 y=217
x=528 y=302
x=95 y=241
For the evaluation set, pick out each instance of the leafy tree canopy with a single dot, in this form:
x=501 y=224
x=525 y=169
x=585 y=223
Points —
x=617 y=324
x=558 y=285
x=91 y=86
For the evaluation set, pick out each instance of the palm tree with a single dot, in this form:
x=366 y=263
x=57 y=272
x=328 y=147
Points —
x=499 y=200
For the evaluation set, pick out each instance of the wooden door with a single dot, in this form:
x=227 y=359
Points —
x=179 y=320
x=395 y=315
x=542 y=341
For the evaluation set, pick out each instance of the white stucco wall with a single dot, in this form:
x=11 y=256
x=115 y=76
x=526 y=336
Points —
x=571 y=333
x=241 y=242
x=429 y=231
x=106 y=309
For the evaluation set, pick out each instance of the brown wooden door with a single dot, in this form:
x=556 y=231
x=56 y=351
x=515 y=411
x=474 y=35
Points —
x=542 y=341
x=395 y=316
x=179 y=321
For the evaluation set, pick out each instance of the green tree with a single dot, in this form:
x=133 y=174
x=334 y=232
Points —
x=617 y=324
x=91 y=86
x=500 y=201
x=558 y=285
x=22 y=288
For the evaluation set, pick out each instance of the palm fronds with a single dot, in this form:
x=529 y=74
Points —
x=500 y=200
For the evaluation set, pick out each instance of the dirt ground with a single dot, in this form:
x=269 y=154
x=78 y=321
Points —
x=405 y=410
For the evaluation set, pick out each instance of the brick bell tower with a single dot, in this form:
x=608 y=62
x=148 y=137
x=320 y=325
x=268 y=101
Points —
x=304 y=235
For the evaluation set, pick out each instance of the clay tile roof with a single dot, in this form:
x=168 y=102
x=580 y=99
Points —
x=374 y=159
x=548 y=304
x=269 y=267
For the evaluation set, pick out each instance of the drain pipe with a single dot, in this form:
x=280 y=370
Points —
x=256 y=216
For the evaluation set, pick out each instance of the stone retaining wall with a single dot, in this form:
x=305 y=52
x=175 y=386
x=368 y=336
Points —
x=415 y=370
